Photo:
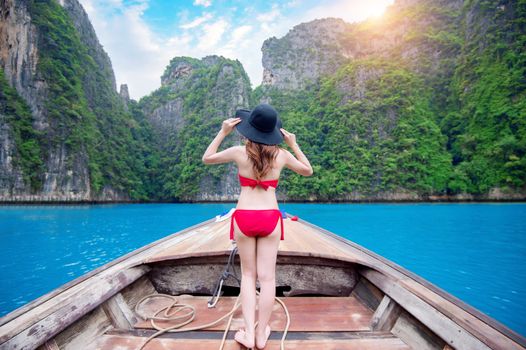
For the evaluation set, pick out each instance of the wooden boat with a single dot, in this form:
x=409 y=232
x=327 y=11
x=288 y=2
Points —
x=339 y=296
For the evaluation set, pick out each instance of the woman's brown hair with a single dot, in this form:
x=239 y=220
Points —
x=262 y=156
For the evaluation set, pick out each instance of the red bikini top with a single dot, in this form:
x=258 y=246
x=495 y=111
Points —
x=245 y=181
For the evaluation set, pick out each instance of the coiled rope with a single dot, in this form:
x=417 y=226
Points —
x=172 y=311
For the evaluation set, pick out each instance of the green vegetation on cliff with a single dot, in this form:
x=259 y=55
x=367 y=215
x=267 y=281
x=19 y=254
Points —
x=433 y=102
x=442 y=112
x=84 y=111
x=28 y=140
x=206 y=96
x=371 y=135
x=486 y=120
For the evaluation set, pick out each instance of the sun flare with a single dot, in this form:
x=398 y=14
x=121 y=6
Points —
x=373 y=8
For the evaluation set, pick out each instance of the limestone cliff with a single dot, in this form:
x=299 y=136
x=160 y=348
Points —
x=422 y=103
x=186 y=112
x=308 y=51
x=426 y=102
x=33 y=48
x=319 y=48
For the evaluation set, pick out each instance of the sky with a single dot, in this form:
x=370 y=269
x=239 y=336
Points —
x=142 y=36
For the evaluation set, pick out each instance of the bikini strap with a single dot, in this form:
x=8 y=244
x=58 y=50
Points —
x=232 y=225
x=281 y=218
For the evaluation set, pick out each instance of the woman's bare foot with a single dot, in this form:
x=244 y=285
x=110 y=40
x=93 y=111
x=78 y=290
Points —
x=261 y=338
x=244 y=338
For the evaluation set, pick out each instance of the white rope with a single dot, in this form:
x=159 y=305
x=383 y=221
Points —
x=190 y=316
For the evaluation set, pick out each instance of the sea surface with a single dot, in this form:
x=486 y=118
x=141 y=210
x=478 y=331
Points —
x=476 y=251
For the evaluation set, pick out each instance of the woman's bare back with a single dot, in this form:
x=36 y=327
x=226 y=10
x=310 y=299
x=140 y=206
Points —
x=258 y=197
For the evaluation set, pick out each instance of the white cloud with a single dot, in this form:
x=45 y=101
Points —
x=204 y=3
x=196 y=22
x=237 y=43
x=240 y=32
x=269 y=16
x=139 y=55
x=292 y=3
x=212 y=34
x=348 y=10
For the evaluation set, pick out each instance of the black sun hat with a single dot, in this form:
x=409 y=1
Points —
x=260 y=125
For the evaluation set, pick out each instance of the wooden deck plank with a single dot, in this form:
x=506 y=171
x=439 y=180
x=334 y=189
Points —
x=480 y=329
x=302 y=238
x=31 y=313
x=77 y=307
x=209 y=239
x=122 y=342
x=307 y=313
x=299 y=239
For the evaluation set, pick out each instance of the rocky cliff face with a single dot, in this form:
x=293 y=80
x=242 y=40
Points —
x=19 y=57
x=18 y=54
x=422 y=104
x=308 y=51
x=88 y=37
x=320 y=47
x=186 y=112
x=66 y=174
x=18 y=60
x=451 y=128
x=125 y=96
x=81 y=140
x=11 y=176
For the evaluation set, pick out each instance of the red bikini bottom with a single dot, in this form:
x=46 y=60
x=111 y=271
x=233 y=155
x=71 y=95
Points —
x=256 y=222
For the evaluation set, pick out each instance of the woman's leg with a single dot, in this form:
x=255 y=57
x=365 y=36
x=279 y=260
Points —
x=247 y=253
x=267 y=250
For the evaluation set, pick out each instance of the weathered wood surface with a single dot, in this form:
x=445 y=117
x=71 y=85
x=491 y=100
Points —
x=415 y=334
x=119 y=313
x=297 y=277
x=32 y=317
x=49 y=345
x=385 y=315
x=70 y=310
x=476 y=326
x=368 y=293
x=86 y=330
x=305 y=239
x=133 y=258
x=361 y=342
x=299 y=240
x=132 y=294
x=335 y=314
x=441 y=325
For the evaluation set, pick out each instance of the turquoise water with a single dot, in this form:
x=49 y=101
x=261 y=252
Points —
x=474 y=251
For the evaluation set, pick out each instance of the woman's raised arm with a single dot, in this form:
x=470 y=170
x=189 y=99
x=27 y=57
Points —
x=301 y=165
x=211 y=156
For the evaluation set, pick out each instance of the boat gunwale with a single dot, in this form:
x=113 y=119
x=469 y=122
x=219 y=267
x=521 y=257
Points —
x=68 y=285
x=218 y=253
x=495 y=324
x=384 y=266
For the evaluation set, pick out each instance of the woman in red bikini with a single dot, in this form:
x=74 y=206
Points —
x=254 y=223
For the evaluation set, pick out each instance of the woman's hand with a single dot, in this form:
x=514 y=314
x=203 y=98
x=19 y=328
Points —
x=300 y=165
x=288 y=137
x=229 y=124
x=211 y=156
